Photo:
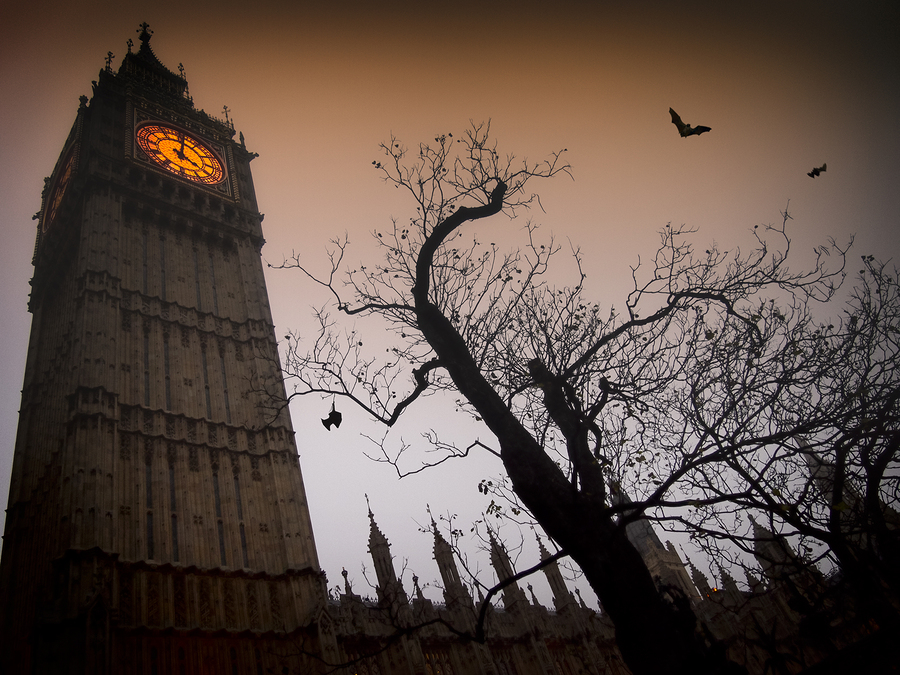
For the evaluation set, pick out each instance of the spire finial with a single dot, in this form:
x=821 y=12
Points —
x=419 y=594
x=145 y=32
x=130 y=44
x=534 y=600
x=434 y=527
x=109 y=57
x=580 y=600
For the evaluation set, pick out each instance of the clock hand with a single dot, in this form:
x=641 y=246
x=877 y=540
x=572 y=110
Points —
x=191 y=162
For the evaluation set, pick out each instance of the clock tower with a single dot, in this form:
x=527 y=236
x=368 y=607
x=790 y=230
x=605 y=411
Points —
x=157 y=519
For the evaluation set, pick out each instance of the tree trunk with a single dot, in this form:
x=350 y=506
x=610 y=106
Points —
x=873 y=589
x=654 y=635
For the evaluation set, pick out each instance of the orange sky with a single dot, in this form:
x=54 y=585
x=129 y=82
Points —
x=314 y=91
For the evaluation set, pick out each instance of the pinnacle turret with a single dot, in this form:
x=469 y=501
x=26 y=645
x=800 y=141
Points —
x=389 y=587
x=455 y=593
x=562 y=598
x=701 y=581
x=512 y=594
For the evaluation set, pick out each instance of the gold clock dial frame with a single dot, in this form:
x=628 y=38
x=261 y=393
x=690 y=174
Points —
x=180 y=153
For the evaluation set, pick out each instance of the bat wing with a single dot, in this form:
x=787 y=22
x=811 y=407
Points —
x=334 y=417
x=817 y=170
x=701 y=130
x=676 y=120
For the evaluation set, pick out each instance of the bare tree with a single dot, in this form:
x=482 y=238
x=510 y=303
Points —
x=808 y=427
x=576 y=397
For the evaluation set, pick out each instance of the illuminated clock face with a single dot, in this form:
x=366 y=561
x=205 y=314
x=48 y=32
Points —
x=180 y=153
x=59 y=189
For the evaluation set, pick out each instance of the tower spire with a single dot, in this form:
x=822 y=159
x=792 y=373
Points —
x=145 y=451
x=148 y=70
x=562 y=598
x=390 y=590
x=700 y=580
x=513 y=595
x=455 y=593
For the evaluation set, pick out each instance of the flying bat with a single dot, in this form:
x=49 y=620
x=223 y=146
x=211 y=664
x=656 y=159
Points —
x=334 y=417
x=815 y=172
x=686 y=129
